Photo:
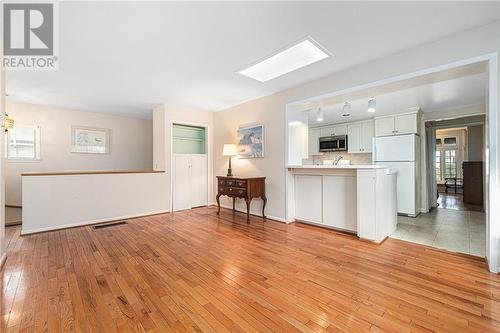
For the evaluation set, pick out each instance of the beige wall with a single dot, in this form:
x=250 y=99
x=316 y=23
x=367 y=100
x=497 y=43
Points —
x=163 y=117
x=270 y=110
x=131 y=145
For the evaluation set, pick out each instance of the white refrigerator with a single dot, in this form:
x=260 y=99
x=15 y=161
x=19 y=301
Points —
x=401 y=153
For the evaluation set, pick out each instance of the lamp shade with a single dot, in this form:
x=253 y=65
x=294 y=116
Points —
x=230 y=149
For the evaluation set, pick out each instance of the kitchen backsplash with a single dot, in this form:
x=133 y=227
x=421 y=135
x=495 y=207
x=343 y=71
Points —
x=354 y=158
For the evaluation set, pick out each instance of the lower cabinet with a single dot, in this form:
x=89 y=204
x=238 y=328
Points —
x=190 y=181
x=339 y=202
x=328 y=200
x=308 y=198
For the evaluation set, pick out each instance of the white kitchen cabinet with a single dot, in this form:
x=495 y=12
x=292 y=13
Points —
x=190 y=181
x=359 y=137
x=397 y=125
x=406 y=124
x=384 y=126
x=334 y=130
x=313 y=143
x=354 y=139
x=308 y=193
x=339 y=202
x=367 y=134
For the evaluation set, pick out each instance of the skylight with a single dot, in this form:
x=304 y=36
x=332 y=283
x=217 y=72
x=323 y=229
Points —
x=293 y=58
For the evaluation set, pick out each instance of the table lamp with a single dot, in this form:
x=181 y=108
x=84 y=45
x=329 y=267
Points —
x=229 y=150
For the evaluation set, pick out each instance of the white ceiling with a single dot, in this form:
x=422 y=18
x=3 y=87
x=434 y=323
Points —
x=125 y=57
x=439 y=91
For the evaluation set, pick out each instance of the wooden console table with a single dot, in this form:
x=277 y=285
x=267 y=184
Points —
x=242 y=187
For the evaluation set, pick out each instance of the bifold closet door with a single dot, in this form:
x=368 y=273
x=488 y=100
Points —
x=181 y=182
x=199 y=181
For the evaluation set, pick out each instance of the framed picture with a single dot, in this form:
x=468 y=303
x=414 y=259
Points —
x=251 y=141
x=89 y=140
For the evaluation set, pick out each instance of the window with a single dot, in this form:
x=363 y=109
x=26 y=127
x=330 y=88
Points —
x=438 y=166
x=438 y=142
x=450 y=163
x=450 y=141
x=23 y=143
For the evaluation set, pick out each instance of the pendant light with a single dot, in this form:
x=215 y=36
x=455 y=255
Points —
x=319 y=116
x=346 y=109
x=372 y=105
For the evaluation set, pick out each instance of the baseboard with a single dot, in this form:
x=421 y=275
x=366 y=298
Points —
x=13 y=206
x=84 y=223
x=3 y=260
x=255 y=213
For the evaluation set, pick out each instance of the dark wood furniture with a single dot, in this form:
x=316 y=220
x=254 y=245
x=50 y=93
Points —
x=453 y=183
x=473 y=182
x=242 y=187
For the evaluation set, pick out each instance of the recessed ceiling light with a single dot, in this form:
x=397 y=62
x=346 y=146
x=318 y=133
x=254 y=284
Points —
x=372 y=105
x=297 y=56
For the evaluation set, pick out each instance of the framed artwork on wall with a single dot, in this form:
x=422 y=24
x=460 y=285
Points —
x=90 y=140
x=251 y=141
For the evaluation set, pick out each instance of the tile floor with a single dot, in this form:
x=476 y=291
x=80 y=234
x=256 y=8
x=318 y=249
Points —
x=452 y=230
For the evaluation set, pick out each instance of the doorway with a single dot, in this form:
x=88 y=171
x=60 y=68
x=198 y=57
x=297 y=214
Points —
x=189 y=166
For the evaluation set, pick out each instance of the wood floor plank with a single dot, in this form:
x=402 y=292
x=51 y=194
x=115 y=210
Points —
x=195 y=271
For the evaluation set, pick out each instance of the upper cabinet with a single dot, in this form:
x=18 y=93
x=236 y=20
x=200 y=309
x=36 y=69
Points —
x=360 y=137
x=314 y=135
x=334 y=130
x=397 y=124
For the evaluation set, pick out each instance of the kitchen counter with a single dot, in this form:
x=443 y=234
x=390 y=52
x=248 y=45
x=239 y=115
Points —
x=340 y=166
x=360 y=199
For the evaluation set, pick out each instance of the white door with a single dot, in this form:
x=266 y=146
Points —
x=199 y=181
x=181 y=182
x=367 y=134
x=339 y=202
x=308 y=198
x=384 y=126
x=405 y=124
x=354 y=139
x=313 y=144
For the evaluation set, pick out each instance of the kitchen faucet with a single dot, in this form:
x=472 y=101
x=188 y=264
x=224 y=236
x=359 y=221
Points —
x=337 y=159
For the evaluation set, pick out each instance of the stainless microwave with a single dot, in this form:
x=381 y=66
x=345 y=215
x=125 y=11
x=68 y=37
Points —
x=333 y=143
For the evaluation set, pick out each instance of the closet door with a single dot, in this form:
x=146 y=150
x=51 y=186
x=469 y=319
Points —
x=199 y=181
x=181 y=182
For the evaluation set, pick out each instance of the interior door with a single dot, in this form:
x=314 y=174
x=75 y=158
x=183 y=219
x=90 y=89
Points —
x=199 y=181
x=181 y=182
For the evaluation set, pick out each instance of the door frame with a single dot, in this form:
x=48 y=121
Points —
x=208 y=153
x=492 y=127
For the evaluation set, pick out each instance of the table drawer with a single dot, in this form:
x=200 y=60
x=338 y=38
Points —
x=240 y=183
x=237 y=192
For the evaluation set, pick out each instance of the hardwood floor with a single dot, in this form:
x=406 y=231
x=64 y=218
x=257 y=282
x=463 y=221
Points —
x=194 y=271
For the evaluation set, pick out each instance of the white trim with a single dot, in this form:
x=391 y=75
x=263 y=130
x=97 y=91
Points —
x=84 y=223
x=493 y=154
